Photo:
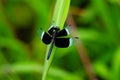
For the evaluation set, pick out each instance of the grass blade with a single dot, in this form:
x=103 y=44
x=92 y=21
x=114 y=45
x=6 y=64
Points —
x=59 y=17
x=60 y=13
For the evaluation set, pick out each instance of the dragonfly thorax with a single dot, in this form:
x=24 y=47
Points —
x=54 y=31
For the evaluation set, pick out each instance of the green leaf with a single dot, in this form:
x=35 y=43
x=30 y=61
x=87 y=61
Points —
x=59 y=17
x=60 y=13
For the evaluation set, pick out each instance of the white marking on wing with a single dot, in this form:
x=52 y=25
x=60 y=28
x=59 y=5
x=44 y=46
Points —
x=71 y=41
x=67 y=31
x=42 y=35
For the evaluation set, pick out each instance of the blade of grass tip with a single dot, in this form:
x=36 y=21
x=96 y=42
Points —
x=59 y=17
x=60 y=13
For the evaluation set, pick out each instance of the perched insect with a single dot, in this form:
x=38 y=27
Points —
x=56 y=37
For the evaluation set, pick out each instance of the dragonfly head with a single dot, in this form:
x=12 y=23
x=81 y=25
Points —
x=56 y=29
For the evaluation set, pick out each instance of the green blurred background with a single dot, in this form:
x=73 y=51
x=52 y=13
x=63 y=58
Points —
x=22 y=52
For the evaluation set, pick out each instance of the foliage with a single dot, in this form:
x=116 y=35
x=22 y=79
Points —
x=22 y=52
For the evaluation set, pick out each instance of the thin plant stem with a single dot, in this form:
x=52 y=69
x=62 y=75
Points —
x=80 y=48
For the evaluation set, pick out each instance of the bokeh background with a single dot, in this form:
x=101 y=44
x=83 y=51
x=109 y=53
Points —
x=22 y=51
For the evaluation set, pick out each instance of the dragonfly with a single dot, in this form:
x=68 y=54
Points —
x=57 y=37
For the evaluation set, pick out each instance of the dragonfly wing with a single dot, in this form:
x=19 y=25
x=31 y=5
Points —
x=63 y=42
x=63 y=32
x=50 y=30
x=46 y=38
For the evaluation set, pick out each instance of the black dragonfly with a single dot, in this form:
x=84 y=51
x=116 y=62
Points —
x=56 y=37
